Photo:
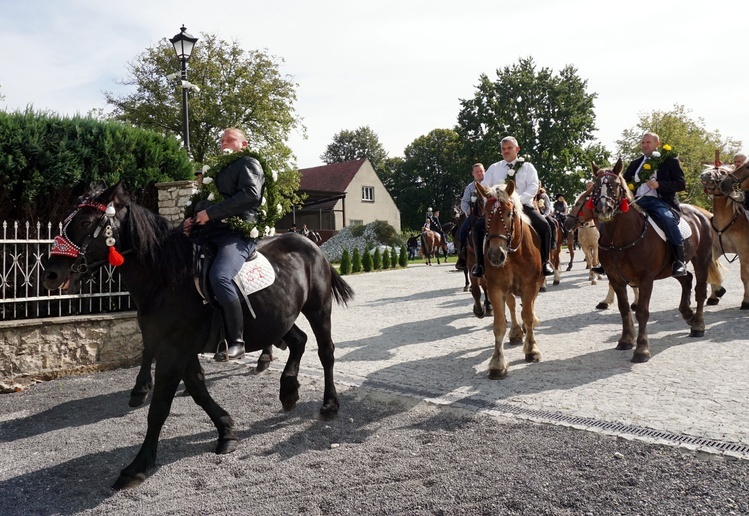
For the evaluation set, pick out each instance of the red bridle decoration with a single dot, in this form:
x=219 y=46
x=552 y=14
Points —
x=115 y=258
x=63 y=246
x=624 y=206
x=589 y=204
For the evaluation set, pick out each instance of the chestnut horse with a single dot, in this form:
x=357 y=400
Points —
x=729 y=222
x=431 y=245
x=513 y=268
x=632 y=253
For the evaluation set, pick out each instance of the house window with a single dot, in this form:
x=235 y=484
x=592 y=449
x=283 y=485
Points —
x=367 y=193
x=354 y=222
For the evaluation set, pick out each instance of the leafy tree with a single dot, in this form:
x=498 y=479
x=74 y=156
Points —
x=551 y=116
x=345 y=267
x=238 y=88
x=356 y=265
x=357 y=144
x=693 y=143
x=431 y=174
x=367 y=259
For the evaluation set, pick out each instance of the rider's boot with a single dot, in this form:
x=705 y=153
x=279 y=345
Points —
x=547 y=269
x=462 y=256
x=679 y=267
x=233 y=332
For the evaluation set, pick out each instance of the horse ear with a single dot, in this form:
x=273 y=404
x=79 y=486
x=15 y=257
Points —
x=595 y=169
x=510 y=187
x=481 y=190
x=618 y=167
x=115 y=194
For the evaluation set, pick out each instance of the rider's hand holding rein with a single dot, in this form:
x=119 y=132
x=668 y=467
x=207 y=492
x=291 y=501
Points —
x=200 y=218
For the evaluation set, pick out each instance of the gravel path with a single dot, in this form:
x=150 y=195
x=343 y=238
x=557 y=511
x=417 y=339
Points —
x=409 y=337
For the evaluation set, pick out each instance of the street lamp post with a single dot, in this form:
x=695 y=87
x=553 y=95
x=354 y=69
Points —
x=183 y=44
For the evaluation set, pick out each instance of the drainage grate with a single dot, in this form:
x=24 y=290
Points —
x=703 y=444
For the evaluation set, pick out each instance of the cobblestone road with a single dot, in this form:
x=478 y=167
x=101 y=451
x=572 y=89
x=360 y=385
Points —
x=412 y=332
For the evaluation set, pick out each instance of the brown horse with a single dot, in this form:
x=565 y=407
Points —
x=556 y=252
x=513 y=262
x=729 y=223
x=632 y=253
x=431 y=245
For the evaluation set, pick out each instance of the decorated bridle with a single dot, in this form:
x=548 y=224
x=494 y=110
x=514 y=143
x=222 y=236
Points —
x=63 y=246
x=736 y=181
x=600 y=192
x=497 y=208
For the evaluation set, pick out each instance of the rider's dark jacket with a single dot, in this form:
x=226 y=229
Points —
x=670 y=178
x=241 y=183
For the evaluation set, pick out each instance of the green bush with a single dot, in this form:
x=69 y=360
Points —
x=358 y=230
x=367 y=259
x=47 y=161
x=385 y=233
x=377 y=259
x=403 y=257
x=356 y=265
x=393 y=257
x=386 y=259
x=345 y=267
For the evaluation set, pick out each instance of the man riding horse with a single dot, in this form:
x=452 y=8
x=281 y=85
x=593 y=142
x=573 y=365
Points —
x=468 y=206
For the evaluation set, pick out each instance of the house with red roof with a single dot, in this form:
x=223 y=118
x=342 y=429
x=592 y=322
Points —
x=341 y=195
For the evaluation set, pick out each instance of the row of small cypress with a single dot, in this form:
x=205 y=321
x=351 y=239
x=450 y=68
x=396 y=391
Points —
x=388 y=259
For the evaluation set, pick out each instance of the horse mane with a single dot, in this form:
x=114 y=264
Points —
x=499 y=192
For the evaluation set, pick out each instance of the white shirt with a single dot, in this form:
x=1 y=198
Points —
x=644 y=189
x=526 y=179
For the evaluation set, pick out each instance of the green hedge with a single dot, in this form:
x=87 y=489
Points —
x=47 y=161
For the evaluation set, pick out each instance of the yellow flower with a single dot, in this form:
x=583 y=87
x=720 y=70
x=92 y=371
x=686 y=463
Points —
x=647 y=166
x=667 y=147
x=631 y=186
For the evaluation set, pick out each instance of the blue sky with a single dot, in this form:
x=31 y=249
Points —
x=399 y=67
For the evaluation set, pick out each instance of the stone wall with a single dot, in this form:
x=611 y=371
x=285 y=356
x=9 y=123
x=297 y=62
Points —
x=173 y=197
x=42 y=349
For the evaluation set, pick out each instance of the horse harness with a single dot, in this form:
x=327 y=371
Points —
x=497 y=208
x=63 y=246
x=601 y=193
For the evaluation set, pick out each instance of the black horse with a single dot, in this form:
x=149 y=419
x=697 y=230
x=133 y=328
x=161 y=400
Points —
x=176 y=324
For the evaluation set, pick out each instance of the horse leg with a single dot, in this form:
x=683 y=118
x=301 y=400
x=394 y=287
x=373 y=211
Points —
x=642 y=351
x=498 y=362
x=195 y=382
x=530 y=346
x=170 y=367
x=296 y=340
x=571 y=249
x=516 y=331
x=745 y=281
x=320 y=323
x=265 y=358
x=487 y=303
x=143 y=381
x=465 y=273
x=696 y=320
x=626 y=341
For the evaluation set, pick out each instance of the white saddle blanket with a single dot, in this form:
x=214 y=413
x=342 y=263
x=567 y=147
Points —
x=255 y=276
x=684 y=228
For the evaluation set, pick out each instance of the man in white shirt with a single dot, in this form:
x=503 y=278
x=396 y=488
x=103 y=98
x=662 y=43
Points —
x=526 y=181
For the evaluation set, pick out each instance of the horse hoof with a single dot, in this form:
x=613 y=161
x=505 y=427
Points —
x=532 y=357
x=640 y=358
x=721 y=292
x=479 y=313
x=497 y=374
x=516 y=341
x=744 y=305
x=697 y=333
x=329 y=409
x=569 y=267
x=225 y=446
x=138 y=399
x=622 y=346
x=263 y=363
x=602 y=306
x=633 y=306
x=465 y=289
x=712 y=301
x=128 y=482
x=542 y=289
x=289 y=402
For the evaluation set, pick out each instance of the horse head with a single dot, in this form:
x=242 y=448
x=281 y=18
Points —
x=581 y=212
x=89 y=238
x=711 y=178
x=610 y=194
x=504 y=219
x=735 y=181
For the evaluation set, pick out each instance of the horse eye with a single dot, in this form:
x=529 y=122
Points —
x=86 y=223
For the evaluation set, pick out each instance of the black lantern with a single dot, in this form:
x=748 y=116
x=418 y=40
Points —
x=183 y=43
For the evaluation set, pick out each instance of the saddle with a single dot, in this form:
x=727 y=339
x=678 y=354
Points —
x=256 y=274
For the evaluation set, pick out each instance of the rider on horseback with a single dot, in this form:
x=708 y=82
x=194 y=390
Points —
x=467 y=206
x=241 y=183
x=658 y=179
x=525 y=176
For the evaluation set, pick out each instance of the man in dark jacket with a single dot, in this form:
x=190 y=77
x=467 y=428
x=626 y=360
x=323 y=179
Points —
x=241 y=184
x=656 y=178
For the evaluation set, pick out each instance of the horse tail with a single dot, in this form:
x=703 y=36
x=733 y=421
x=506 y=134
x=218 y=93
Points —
x=342 y=291
x=714 y=274
x=424 y=245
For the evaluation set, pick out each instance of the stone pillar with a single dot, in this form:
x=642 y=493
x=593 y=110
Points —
x=173 y=197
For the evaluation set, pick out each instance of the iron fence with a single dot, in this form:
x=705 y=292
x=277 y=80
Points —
x=23 y=248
